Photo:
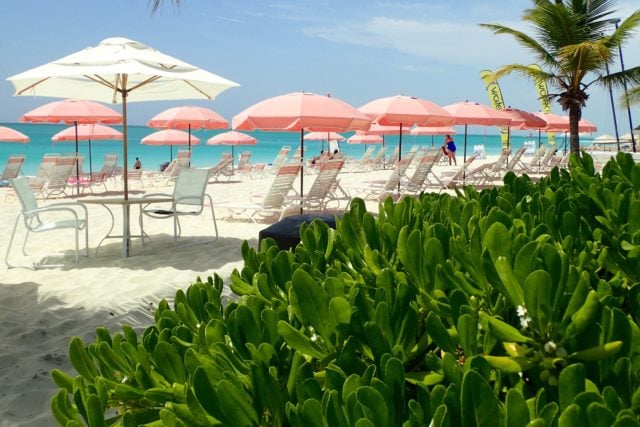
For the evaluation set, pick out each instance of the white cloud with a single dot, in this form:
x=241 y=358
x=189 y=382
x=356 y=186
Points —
x=448 y=42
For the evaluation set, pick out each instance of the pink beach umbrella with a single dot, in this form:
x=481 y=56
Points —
x=12 y=135
x=300 y=112
x=75 y=112
x=472 y=113
x=324 y=136
x=432 y=131
x=404 y=112
x=86 y=132
x=187 y=118
x=232 y=138
x=170 y=137
x=364 y=138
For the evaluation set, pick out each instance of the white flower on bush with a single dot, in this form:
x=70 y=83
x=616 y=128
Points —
x=550 y=347
x=523 y=314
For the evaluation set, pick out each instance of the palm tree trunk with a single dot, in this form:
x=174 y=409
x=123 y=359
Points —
x=575 y=113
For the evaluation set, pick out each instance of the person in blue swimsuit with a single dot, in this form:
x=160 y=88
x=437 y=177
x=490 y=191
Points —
x=451 y=149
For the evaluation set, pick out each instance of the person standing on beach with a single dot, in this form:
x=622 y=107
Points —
x=137 y=164
x=451 y=149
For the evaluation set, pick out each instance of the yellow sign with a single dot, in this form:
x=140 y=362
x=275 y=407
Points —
x=545 y=102
x=495 y=97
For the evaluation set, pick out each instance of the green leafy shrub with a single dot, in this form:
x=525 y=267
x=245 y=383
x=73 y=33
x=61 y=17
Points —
x=513 y=306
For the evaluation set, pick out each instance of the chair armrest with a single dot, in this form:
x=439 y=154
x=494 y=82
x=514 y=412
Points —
x=149 y=195
x=56 y=205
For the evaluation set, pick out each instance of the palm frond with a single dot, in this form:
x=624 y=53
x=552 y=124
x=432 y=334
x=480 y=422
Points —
x=528 y=42
x=156 y=4
x=633 y=96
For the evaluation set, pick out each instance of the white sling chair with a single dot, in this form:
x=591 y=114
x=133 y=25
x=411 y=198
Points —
x=76 y=217
x=188 y=196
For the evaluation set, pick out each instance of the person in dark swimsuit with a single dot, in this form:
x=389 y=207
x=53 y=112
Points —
x=451 y=149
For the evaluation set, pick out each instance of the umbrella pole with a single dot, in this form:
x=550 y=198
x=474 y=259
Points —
x=399 y=153
x=189 y=164
x=75 y=124
x=90 y=162
x=465 y=152
x=233 y=159
x=301 y=170
x=539 y=146
x=126 y=242
x=384 y=161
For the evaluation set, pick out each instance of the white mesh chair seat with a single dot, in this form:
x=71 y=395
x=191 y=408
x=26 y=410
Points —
x=188 y=198
x=36 y=218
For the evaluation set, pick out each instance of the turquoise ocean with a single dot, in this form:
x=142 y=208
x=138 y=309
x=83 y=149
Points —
x=269 y=143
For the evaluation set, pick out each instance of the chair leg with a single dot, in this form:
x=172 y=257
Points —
x=13 y=233
x=215 y=224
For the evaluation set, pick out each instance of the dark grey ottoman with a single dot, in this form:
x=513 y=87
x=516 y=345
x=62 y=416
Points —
x=286 y=232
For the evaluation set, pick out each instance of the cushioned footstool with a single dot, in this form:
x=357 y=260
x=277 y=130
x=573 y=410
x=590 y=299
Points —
x=286 y=232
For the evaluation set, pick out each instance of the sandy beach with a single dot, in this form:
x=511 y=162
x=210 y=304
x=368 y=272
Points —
x=40 y=310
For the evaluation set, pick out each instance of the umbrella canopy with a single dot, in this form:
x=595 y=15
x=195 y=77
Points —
x=187 y=118
x=73 y=111
x=301 y=111
x=364 y=138
x=473 y=113
x=378 y=129
x=323 y=136
x=406 y=111
x=433 y=130
x=169 y=137
x=232 y=138
x=11 y=135
x=87 y=132
x=524 y=119
x=120 y=70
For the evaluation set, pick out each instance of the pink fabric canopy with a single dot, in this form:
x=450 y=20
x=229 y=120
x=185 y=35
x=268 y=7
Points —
x=300 y=111
x=365 y=138
x=473 y=113
x=523 y=119
x=169 y=137
x=87 y=132
x=232 y=138
x=11 y=135
x=323 y=136
x=406 y=111
x=435 y=130
x=378 y=129
x=188 y=118
x=72 y=111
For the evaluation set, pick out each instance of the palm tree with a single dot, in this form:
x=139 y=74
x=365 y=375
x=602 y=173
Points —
x=155 y=4
x=571 y=45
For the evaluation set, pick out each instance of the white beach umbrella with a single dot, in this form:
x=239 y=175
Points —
x=120 y=70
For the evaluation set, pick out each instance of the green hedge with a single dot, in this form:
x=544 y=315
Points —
x=513 y=306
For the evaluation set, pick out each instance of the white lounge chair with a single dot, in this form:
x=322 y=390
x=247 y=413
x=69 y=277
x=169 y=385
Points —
x=57 y=183
x=188 y=198
x=11 y=169
x=280 y=158
x=416 y=182
x=280 y=198
x=36 y=219
x=324 y=187
x=459 y=176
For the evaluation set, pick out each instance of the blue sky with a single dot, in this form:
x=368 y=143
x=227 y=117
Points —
x=357 y=50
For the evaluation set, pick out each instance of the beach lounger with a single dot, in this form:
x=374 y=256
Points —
x=11 y=169
x=365 y=161
x=378 y=161
x=280 y=198
x=58 y=182
x=36 y=219
x=379 y=190
x=459 y=176
x=38 y=182
x=280 y=158
x=325 y=187
x=222 y=169
x=188 y=199
x=416 y=182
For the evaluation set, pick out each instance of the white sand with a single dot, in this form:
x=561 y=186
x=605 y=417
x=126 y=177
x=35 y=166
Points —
x=40 y=310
